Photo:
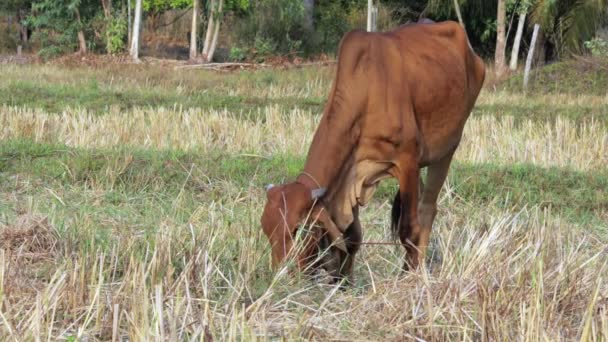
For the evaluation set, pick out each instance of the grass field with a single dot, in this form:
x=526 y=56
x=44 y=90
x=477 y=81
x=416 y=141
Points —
x=130 y=199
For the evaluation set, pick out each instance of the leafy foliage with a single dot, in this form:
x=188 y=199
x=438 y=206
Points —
x=163 y=5
x=14 y=5
x=116 y=32
x=597 y=46
x=57 y=23
x=273 y=26
x=569 y=23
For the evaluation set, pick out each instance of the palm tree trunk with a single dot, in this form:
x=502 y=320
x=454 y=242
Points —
x=215 y=34
x=517 y=42
x=369 y=15
x=209 y=31
x=499 y=54
x=193 y=33
x=135 y=36
x=530 y=55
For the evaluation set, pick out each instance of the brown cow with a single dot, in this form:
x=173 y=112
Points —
x=399 y=102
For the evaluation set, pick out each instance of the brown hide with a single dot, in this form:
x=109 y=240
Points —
x=399 y=102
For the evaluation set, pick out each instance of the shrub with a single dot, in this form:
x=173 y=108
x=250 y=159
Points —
x=237 y=54
x=597 y=46
x=270 y=27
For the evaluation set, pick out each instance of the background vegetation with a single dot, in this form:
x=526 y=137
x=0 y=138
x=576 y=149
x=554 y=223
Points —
x=256 y=30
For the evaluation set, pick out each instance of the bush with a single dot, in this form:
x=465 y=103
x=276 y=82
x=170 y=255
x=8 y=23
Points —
x=597 y=46
x=237 y=54
x=270 y=27
x=116 y=32
x=8 y=42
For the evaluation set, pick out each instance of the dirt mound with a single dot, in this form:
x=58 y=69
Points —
x=577 y=75
x=91 y=60
x=29 y=236
x=30 y=246
x=14 y=59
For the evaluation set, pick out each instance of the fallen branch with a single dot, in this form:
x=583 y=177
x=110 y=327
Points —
x=315 y=63
x=223 y=65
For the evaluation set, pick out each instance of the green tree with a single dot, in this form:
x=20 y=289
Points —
x=567 y=24
x=479 y=18
x=63 y=25
x=21 y=9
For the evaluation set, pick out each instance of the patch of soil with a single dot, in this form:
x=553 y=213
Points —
x=90 y=60
x=14 y=59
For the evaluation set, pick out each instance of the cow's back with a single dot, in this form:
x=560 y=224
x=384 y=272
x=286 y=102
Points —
x=439 y=77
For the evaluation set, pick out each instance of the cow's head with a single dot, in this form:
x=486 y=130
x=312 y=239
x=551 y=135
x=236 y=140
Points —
x=287 y=207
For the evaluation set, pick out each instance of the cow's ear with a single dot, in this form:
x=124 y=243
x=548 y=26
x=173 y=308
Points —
x=317 y=193
x=269 y=186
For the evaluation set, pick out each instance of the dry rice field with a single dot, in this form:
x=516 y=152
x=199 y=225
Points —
x=130 y=205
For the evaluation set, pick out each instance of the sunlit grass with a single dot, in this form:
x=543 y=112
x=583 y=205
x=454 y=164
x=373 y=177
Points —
x=560 y=142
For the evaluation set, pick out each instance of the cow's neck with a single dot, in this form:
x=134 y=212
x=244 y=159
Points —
x=332 y=143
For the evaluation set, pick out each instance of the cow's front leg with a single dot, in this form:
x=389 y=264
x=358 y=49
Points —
x=407 y=226
x=353 y=236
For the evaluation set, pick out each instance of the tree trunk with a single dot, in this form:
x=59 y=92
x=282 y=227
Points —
x=193 y=34
x=24 y=35
x=369 y=15
x=530 y=55
x=309 y=25
x=107 y=8
x=135 y=37
x=209 y=31
x=107 y=13
x=82 y=43
x=541 y=54
x=499 y=54
x=458 y=14
x=215 y=34
x=517 y=42
x=129 y=29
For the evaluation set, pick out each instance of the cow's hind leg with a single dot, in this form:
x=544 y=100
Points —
x=427 y=206
x=406 y=216
x=396 y=209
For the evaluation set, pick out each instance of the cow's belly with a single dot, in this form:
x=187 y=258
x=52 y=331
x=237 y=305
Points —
x=357 y=188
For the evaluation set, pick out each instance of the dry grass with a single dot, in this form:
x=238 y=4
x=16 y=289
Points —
x=88 y=260
x=561 y=143
x=492 y=275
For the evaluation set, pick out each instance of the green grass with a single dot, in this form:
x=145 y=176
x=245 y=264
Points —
x=99 y=91
x=45 y=88
x=578 y=196
x=54 y=98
